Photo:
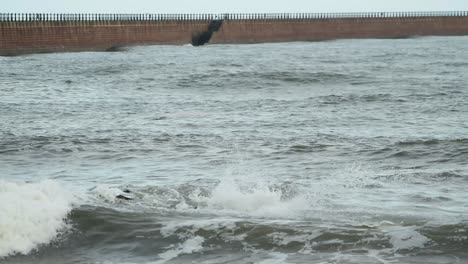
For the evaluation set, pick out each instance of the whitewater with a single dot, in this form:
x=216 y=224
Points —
x=349 y=151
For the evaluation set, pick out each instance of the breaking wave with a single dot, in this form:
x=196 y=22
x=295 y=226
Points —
x=32 y=215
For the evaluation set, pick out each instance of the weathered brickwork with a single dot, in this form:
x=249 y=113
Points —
x=257 y=31
x=36 y=37
x=20 y=37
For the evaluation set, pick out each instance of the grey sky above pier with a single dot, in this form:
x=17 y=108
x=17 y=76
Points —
x=217 y=6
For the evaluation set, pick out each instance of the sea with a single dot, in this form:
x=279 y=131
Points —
x=345 y=151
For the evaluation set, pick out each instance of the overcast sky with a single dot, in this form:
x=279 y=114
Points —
x=225 y=6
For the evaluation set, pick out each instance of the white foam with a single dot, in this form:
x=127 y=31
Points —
x=283 y=239
x=257 y=200
x=190 y=246
x=108 y=193
x=196 y=225
x=31 y=214
x=405 y=237
x=275 y=258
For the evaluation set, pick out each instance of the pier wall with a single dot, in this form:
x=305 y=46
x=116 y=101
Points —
x=37 y=33
x=253 y=31
x=38 y=37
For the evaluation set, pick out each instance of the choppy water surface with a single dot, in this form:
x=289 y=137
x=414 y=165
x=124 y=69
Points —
x=350 y=151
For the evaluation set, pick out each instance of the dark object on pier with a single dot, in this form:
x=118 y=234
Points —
x=204 y=37
x=115 y=49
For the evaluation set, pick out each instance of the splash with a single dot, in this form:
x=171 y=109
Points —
x=406 y=238
x=259 y=199
x=190 y=246
x=32 y=214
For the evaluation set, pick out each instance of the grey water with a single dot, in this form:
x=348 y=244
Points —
x=347 y=151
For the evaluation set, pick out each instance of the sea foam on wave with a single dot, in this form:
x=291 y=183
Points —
x=259 y=200
x=31 y=215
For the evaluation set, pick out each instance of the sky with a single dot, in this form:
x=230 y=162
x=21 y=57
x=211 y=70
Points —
x=226 y=6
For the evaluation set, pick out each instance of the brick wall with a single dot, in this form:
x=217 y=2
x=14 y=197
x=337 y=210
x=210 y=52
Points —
x=36 y=37
x=53 y=36
x=257 y=31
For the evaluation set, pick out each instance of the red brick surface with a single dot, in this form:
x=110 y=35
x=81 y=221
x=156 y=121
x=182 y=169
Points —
x=258 y=31
x=35 y=37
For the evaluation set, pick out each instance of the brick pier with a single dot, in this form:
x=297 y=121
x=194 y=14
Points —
x=38 y=33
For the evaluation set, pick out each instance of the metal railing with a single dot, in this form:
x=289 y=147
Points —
x=24 y=17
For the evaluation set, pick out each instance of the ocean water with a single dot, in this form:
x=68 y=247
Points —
x=349 y=151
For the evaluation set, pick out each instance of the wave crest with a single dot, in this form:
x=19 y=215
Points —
x=32 y=214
